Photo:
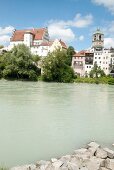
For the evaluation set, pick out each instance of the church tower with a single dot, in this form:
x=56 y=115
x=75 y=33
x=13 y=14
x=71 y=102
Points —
x=98 y=40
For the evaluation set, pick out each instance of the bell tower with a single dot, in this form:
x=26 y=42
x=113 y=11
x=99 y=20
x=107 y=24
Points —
x=98 y=40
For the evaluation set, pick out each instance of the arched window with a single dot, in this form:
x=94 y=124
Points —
x=99 y=37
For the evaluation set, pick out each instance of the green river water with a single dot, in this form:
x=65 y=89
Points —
x=43 y=120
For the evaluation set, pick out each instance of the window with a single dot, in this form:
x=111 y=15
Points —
x=99 y=57
x=89 y=66
x=100 y=62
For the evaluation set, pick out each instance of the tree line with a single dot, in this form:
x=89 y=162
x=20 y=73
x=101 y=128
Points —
x=20 y=64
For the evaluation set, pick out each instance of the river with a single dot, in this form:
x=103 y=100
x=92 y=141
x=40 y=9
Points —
x=43 y=120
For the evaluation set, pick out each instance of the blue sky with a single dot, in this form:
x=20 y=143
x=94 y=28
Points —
x=74 y=21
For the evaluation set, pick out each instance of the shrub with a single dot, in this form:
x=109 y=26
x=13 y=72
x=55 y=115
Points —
x=111 y=81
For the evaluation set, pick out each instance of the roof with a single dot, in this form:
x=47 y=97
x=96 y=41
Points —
x=51 y=42
x=63 y=44
x=80 y=53
x=18 y=35
x=46 y=43
x=98 y=31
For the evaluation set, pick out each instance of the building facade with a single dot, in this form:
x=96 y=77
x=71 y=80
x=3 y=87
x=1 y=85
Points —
x=37 y=40
x=97 y=54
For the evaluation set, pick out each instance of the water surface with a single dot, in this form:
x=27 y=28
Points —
x=44 y=120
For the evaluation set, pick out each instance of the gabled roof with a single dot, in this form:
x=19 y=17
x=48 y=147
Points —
x=80 y=53
x=18 y=35
x=51 y=42
x=63 y=44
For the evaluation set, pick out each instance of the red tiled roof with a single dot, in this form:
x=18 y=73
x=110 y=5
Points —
x=37 y=34
x=80 y=53
x=46 y=43
x=63 y=44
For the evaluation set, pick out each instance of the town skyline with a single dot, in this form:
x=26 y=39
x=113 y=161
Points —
x=73 y=21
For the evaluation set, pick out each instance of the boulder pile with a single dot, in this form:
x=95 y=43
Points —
x=91 y=157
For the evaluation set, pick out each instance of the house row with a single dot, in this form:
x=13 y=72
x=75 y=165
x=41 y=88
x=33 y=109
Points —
x=84 y=61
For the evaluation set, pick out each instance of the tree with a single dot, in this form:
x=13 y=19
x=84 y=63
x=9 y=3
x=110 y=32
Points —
x=70 y=53
x=19 y=63
x=1 y=46
x=97 y=72
x=55 y=67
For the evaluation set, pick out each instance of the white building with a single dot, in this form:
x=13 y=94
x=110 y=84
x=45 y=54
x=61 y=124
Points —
x=37 y=40
x=103 y=57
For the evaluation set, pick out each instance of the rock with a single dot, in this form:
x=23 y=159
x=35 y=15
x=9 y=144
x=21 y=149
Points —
x=72 y=166
x=110 y=153
x=80 y=151
x=110 y=164
x=25 y=167
x=93 y=145
x=100 y=153
x=93 y=164
x=76 y=161
x=39 y=163
x=84 y=168
x=92 y=151
x=65 y=159
x=102 y=168
x=53 y=160
x=57 y=164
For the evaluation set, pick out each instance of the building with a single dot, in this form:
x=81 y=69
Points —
x=97 y=54
x=82 y=62
x=37 y=40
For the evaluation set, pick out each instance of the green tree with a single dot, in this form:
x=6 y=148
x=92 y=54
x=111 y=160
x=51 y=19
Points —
x=55 y=67
x=19 y=63
x=97 y=72
x=1 y=46
x=70 y=53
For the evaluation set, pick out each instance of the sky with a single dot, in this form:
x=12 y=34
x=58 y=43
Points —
x=73 y=21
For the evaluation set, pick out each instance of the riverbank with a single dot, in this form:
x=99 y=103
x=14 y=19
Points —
x=90 y=157
x=100 y=80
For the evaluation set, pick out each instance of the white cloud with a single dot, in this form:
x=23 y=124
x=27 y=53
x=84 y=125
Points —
x=81 y=38
x=4 y=39
x=5 y=34
x=82 y=21
x=109 y=42
x=106 y=3
x=63 y=29
x=60 y=31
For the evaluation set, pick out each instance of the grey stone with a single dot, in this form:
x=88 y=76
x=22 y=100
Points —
x=80 y=151
x=93 y=164
x=93 y=144
x=57 y=164
x=25 y=167
x=72 y=166
x=110 y=164
x=110 y=153
x=100 y=153
x=84 y=168
x=53 y=160
x=103 y=168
